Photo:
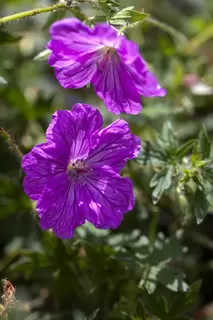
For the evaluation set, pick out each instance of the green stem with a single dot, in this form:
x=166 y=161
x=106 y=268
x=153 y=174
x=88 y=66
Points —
x=153 y=226
x=11 y=143
x=33 y=12
x=180 y=37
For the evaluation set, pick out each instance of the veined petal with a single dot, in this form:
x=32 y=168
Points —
x=40 y=164
x=116 y=145
x=108 y=198
x=75 y=130
x=127 y=50
x=70 y=37
x=72 y=74
x=115 y=86
x=59 y=208
x=145 y=81
x=105 y=34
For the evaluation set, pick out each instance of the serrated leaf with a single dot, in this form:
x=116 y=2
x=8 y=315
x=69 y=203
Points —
x=172 y=279
x=162 y=181
x=204 y=143
x=167 y=140
x=128 y=15
x=157 y=177
x=184 y=149
x=150 y=154
x=7 y=38
x=43 y=55
x=184 y=300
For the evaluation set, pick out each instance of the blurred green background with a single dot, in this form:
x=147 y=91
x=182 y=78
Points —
x=56 y=280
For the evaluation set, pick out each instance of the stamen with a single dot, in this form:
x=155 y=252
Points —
x=77 y=167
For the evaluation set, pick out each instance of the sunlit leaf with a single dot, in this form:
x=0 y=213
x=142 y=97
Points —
x=204 y=143
x=3 y=81
x=128 y=15
x=161 y=181
x=43 y=55
x=184 y=149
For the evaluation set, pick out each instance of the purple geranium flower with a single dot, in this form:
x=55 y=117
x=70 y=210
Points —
x=74 y=175
x=109 y=61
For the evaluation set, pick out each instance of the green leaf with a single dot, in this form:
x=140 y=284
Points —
x=162 y=180
x=200 y=205
x=184 y=149
x=172 y=279
x=150 y=154
x=156 y=263
x=3 y=81
x=204 y=143
x=7 y=38
x=156 y=305
x=167 y=141
x=184 y=300
x=109 y=6
x=93 y=315
x=168 y=131
x=43 y=55
x=128 y=15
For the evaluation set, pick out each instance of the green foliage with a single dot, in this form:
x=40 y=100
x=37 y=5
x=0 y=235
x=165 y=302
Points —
x=180 y=171
x=149 y=268
x=128 y=15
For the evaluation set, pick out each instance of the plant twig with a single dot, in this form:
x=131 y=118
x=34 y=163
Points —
x=66 y=4
x=33 y=12
x=11 y=143
x=180 y=37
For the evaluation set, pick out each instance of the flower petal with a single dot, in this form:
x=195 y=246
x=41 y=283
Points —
x=59 y=208
x=70 y=37
x=72 y=74
x=108 y=197
x=105 y=34
x=115 y=147
x=40 y=164
x=75 y=130
x=145 y=81
x=115 y=86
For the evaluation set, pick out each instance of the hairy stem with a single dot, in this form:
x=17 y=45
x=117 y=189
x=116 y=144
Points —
x=33 y=12
x=11 y=143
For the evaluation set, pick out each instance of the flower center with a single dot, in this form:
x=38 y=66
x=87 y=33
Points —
x=77 y=167
x=107 y=55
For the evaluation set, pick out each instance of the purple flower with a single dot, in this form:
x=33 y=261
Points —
x=99 y=55
x=74 y=175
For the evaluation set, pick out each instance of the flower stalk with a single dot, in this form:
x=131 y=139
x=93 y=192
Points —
x=33 y=12
x=11 y=143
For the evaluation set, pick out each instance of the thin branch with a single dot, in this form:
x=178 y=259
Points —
x=33 y=12
x=11 y=143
